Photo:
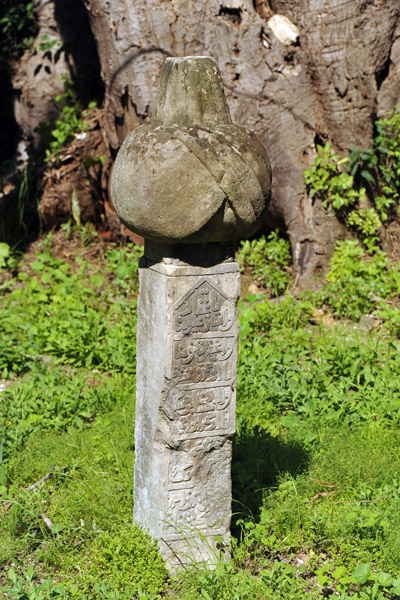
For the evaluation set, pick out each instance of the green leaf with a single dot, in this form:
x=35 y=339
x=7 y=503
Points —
x=361 y=574
x=367 y=176
x=56 y=528
x=4 y=250
x=45 y=277
x=384 y=579
x=97 y=280
x=396 y=586
x=322 y=580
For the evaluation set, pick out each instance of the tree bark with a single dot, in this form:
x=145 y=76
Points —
x=330 y=82
x=343 y=71
x=63 y=48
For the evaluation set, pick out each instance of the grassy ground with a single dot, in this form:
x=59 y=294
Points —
x=316 y=484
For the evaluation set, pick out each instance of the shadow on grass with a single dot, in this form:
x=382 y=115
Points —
x=258 y=461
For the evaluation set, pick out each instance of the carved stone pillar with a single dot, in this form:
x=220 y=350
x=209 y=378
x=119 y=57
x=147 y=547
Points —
x=190 y=183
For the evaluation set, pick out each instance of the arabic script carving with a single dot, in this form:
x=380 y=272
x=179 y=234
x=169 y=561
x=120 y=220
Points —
x=202 y=410
x=200 y=405
x=191 y=498
x=201 y=310
x=202 y=360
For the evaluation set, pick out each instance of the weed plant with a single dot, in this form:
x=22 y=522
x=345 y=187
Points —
x=316 y=488
x=358 y=284
x=18 y=26
x=363 y=187
x=70 y=122
x=268 y=258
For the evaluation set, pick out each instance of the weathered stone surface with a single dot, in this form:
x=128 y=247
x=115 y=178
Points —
x=185 y=406
x=192 y=176
x=190 y=184
x=190 y=91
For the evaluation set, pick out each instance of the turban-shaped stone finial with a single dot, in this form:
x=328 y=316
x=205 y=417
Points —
x=191 y=176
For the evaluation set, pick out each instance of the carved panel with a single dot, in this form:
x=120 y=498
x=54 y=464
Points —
x=202 y=411
x=200 y=405
x=191 y=498
x=203 y=359
x=202 y=310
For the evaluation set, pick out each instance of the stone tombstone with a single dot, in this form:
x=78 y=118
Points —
x=190 y=183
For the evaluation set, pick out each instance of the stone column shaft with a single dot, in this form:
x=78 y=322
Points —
x=185 y=405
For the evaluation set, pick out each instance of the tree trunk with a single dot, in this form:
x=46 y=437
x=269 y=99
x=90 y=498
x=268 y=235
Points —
x=63 y=48
x=330 y=83
x=326 y=72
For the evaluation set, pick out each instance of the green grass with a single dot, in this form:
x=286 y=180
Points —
x=316 y=461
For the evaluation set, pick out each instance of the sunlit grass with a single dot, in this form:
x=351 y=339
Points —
x=315 y=465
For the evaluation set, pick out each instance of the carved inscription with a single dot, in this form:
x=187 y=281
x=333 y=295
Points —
x=201 y=310
x=205 y=359
x=191 y=505
x=201 y=412
x=201 y=401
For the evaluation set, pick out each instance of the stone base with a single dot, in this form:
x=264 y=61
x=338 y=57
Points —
x=185 y=407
